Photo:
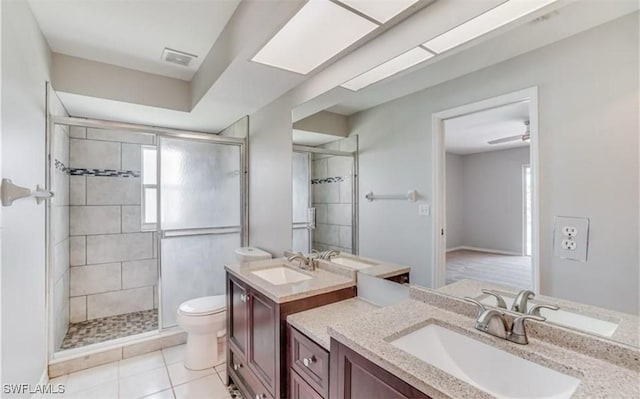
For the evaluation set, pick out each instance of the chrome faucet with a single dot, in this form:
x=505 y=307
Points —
x=500 y=301
x=520 y=303
x=515 y=333
x=327 y=255
x=518 y=333
x=535 y=310
x=302 y=261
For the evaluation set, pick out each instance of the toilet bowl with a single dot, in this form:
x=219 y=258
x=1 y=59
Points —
x=204 y=320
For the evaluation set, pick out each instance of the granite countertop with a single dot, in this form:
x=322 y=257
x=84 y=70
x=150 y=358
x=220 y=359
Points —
x=314 y=322
x=370 y=334
x=378 y=268
x=325 y=279
x=627 y=332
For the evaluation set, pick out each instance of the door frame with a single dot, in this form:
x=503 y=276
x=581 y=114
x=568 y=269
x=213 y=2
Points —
x=439 y=169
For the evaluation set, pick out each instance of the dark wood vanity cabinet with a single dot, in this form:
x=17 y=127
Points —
x=257 y=337
x=354 y=377
x=400 y=278
x=308 y=367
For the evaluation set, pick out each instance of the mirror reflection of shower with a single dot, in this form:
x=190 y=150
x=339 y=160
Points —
x=324 y=194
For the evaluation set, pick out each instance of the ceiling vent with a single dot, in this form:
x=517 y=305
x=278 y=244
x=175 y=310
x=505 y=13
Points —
x=177 y=57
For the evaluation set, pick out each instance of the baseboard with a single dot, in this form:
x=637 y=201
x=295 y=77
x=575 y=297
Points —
x=488 y=250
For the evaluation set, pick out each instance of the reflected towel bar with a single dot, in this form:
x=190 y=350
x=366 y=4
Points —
x=411 y=196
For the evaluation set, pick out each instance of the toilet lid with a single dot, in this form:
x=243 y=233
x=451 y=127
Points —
x=204 y=305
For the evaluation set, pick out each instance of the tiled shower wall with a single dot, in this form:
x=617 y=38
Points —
x=59 y=207
x=332 y=185
x=113 y=262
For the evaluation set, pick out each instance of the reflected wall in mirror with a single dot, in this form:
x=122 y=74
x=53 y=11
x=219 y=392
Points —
x=583 y=163
x=323 y=192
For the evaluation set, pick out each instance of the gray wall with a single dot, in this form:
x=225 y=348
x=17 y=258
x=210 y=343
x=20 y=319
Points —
x=485 y=190
x=455 y=200
x=588 y=166
x=24 y=74
x=270 y=209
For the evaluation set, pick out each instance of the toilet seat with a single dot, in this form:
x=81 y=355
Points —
x=204 y=306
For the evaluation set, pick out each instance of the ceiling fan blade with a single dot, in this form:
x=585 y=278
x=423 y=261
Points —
x=505 y=139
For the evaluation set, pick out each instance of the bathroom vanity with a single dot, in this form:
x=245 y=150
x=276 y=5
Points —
x=427 y=347
x=260 y=296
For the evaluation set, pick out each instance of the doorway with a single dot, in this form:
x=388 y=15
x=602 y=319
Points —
x=485 y=193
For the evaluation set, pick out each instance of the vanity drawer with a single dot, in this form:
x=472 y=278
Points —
x=249 y=385
x=310 y=361
x=299 y=389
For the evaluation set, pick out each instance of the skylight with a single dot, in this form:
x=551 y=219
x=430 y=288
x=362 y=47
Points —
x=391 y=67
x=484 y=23
x=318 y=32
x=380 y=10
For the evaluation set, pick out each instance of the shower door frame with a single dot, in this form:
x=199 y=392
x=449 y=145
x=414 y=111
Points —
x=165 y=132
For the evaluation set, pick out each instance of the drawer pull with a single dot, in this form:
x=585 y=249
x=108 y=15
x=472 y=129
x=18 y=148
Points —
x=237 y=366
x=259 y=396
x=308 y=361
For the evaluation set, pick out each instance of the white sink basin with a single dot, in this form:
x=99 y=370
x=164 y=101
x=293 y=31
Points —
x=281 y=275
x=352 y=263
x=566 y=318
x=489 y=369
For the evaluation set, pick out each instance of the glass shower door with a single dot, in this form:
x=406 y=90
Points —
x=200 y=218
x=302 y=223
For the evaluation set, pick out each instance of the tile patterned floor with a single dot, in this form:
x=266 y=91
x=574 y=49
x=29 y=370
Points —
x=108 y=328
x=156 y=375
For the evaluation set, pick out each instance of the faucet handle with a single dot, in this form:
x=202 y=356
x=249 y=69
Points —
x=501 y=303
x=535 y=310
x=518 y=333
x=481 y=308
x=520 y=302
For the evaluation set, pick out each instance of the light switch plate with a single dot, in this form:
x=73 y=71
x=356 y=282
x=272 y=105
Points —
x=571 y=238
x=424 y=209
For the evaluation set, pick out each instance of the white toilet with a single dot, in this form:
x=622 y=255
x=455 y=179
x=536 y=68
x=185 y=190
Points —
x=205 y=319
x=250 y=254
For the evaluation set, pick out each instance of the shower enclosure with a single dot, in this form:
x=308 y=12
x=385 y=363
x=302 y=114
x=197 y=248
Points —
x=324 y=195
x=142 y=219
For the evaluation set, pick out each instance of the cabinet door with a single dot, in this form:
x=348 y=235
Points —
x=354 y=377
x=263 y=323
x=238 y=322
x=299 y=389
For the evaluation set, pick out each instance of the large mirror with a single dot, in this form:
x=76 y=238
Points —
x=520 y=174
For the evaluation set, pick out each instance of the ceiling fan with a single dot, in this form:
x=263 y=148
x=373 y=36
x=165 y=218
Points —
x=524 y=137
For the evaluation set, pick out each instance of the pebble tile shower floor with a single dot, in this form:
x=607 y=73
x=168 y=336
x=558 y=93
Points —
x=108 y=328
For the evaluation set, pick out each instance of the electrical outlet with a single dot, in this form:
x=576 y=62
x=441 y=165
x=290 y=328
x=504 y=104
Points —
x=571 y=238
x=423 y=209
x=569 y=231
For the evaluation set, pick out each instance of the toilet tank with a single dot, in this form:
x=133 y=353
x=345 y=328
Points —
x=250 y=254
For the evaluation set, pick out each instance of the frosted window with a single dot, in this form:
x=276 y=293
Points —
x=149 y=187
x=150 y=209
